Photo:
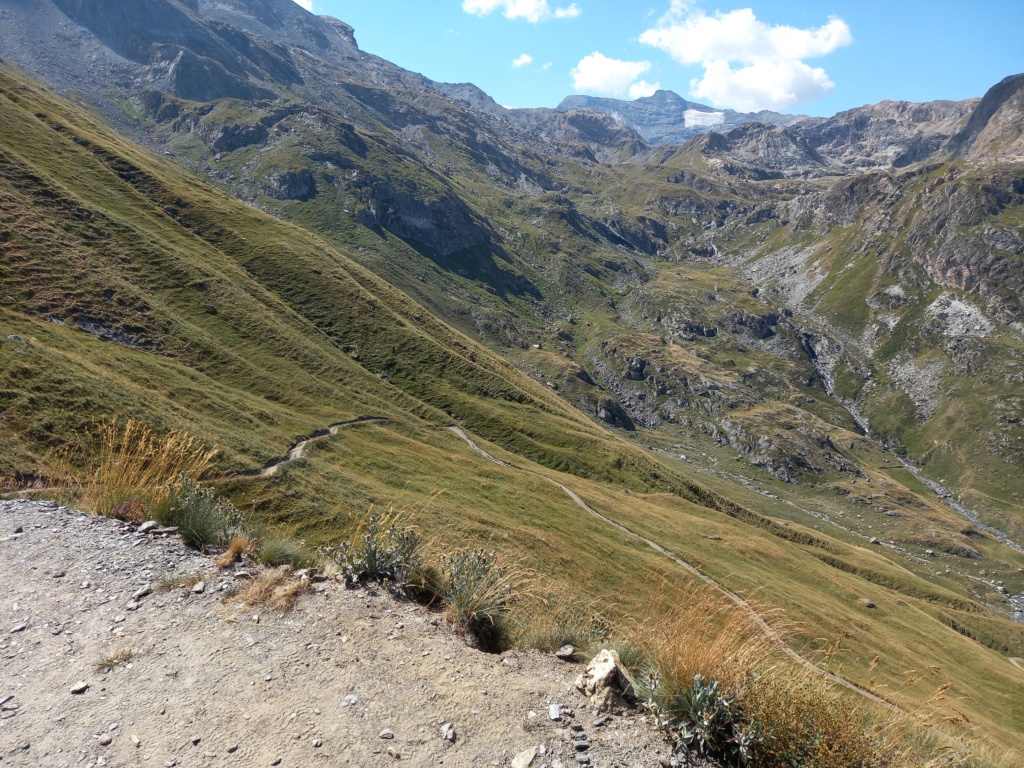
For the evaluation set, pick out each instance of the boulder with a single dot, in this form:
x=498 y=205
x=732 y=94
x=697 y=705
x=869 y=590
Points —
x=606 y=683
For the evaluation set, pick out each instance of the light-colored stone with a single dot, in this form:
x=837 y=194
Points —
x=524 y=758
x=604 y=682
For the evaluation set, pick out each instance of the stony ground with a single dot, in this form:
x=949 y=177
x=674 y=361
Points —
x=348 y=677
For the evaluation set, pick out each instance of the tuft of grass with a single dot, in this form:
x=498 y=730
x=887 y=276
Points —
x=547 y=623
x=279 y=549
x=477 y=591
x=113 y=660
x=238 y=546
x=128 y=468
x=202 y=517
x=274 y=589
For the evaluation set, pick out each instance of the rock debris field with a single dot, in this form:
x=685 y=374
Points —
x=103 y=663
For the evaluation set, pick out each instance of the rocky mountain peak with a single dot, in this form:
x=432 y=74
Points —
x=995 y=126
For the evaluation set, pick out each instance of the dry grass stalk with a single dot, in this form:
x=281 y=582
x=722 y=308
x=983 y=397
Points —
x=237 y=547
x=112 y=660
x=274 y=590
x=702 y=633
x=130 y=463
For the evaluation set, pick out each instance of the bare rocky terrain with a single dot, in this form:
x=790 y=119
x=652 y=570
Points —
x=348 y=677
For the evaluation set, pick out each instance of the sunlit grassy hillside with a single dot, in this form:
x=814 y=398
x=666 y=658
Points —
x=129 y=288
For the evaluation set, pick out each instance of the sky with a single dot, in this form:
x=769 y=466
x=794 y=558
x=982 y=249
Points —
x=792 y=56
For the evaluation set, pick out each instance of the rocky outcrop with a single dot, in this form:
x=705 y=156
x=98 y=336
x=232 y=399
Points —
x=667 y=118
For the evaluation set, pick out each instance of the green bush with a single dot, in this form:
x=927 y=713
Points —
x=203 y=518
x=382 y=551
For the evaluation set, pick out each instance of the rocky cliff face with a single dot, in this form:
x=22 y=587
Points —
x=667 y=118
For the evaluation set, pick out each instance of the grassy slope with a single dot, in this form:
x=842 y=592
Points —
x=248 y=331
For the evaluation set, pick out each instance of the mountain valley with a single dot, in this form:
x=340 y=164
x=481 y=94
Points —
x=791 y=353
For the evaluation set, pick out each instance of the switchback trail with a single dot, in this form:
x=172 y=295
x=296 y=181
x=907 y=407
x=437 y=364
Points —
x=298 y=448
x=739 y=601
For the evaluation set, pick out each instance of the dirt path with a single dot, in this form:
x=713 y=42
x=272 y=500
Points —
x=739 y=601
x=208 y=684
x=298 y=448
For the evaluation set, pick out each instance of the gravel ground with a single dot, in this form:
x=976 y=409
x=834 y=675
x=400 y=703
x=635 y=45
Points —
x=348 y=677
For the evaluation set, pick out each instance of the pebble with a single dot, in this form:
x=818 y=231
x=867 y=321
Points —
x=566 y=652
x=80 y=687
x=148 y=526
x=386 y=734
x=276 y=761
x=555 y=712
x=394 y=753
x=136 y=741
x=448 y=732
x=19 y=628
x=350 y=701
x=105 y=740
x=317 y=743
x=199 y=588
x=232 y=749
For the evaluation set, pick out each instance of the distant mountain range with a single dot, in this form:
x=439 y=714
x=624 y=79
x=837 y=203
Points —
x=667 y=118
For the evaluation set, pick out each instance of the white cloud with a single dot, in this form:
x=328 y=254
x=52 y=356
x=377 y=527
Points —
x=546 y=65
x=642 y=88
x=748 y=64
x=522 y=61
x=307 y=4
x=531 y=10
x=597 y=73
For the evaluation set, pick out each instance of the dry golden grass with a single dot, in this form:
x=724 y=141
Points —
x=237 y=547
x=800 y=716
x=273 y=589
x=129 y=464
x=702 y=633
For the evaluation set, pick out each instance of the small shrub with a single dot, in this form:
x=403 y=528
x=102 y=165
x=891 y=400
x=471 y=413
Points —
x=280 y=550
x=202 y=517
x=703 y=719
x=381 y=550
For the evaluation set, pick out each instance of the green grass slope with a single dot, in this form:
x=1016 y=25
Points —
x=129 y=288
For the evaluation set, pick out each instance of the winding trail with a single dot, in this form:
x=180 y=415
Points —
x=298 y=448
x=739 y=601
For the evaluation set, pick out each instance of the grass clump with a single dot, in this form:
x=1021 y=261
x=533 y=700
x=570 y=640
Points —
x=279 y=549
x=274 y=589
x=547 y=623
x=718 y=684
x=203 y=518
x=476 y=591
x=128 y=468
x=382 y=549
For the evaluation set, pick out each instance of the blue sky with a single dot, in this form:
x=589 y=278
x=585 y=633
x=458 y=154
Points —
x=815 y=58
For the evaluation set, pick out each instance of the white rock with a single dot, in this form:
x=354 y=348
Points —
x=524 y=758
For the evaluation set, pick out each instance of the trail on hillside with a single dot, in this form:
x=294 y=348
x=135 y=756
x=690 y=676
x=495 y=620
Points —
x=298 y=449
x=739 y=601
